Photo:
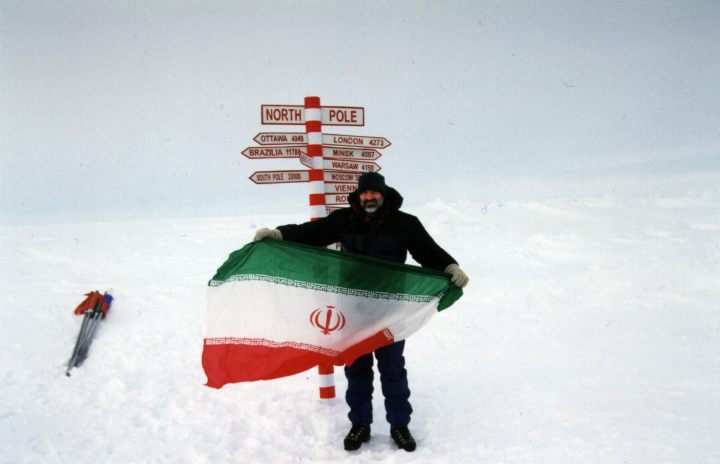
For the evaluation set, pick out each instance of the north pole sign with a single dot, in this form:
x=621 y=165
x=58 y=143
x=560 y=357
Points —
x=295 y=114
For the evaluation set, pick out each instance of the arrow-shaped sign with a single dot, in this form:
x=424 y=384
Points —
x=273 y=152
x=290 y=138
x=351 y=153
x=342 y=176
x=355 y=141
x=350 y=165
x=336 y=199
x=333 y=179
x=342 y=164
x=337 y=187
x=280 y=177
x=306 y=160
x=280 y=138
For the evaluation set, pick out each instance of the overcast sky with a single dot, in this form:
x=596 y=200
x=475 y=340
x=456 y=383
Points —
x=141 y=109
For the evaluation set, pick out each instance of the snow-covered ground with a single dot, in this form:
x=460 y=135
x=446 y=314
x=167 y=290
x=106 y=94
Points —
x=566 y=153
x=590 y=333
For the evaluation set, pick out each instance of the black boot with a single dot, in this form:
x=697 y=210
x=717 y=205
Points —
x=403 y=438
x=358 y=435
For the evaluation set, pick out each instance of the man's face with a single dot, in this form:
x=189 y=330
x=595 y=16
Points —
x=371 y=201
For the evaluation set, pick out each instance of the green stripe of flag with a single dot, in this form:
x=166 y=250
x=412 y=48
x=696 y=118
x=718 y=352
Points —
x=329 y=270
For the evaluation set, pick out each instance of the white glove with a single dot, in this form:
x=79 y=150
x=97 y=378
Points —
x=457 y=276
x=267 y=233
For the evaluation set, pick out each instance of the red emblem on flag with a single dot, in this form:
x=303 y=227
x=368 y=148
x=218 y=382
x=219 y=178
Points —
x=328 y=320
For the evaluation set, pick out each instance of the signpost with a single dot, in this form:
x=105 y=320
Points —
x=335 y=163
x=295 y=114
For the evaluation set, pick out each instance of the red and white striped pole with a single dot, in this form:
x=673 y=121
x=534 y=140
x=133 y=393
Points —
x=313 y=129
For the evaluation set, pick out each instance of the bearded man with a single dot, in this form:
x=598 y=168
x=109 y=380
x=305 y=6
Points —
x=373 y=225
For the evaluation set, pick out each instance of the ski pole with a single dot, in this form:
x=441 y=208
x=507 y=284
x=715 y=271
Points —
x=85 y=346
x=71 y=362
x=91 y=328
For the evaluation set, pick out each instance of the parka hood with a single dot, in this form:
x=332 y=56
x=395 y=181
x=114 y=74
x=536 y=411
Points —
x=392 y=202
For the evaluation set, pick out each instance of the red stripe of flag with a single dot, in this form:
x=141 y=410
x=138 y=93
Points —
x=239 y=362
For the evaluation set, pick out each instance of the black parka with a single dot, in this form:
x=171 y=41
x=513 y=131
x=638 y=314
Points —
x=390 y=234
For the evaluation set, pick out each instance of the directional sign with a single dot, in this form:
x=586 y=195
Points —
x=337 y=187
x=273 y=152
x=348 y=165
x=295 y=114
x=351 y=153
x=290 y=138
x=280 y=138
x=306 y=160
x=341 y=164
x=355 y=141
x=342 y=176
x=335 y=181
x=280 y=177
x=336 y=199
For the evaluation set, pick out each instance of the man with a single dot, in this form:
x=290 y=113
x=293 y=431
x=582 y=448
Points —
x=373 y=225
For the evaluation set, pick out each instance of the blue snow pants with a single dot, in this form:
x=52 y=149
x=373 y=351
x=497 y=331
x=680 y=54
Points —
x=393 y=379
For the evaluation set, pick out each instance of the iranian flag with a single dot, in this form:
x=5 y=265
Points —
x=277 y=308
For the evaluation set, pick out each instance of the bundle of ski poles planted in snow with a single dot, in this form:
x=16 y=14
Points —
x=94 y=309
